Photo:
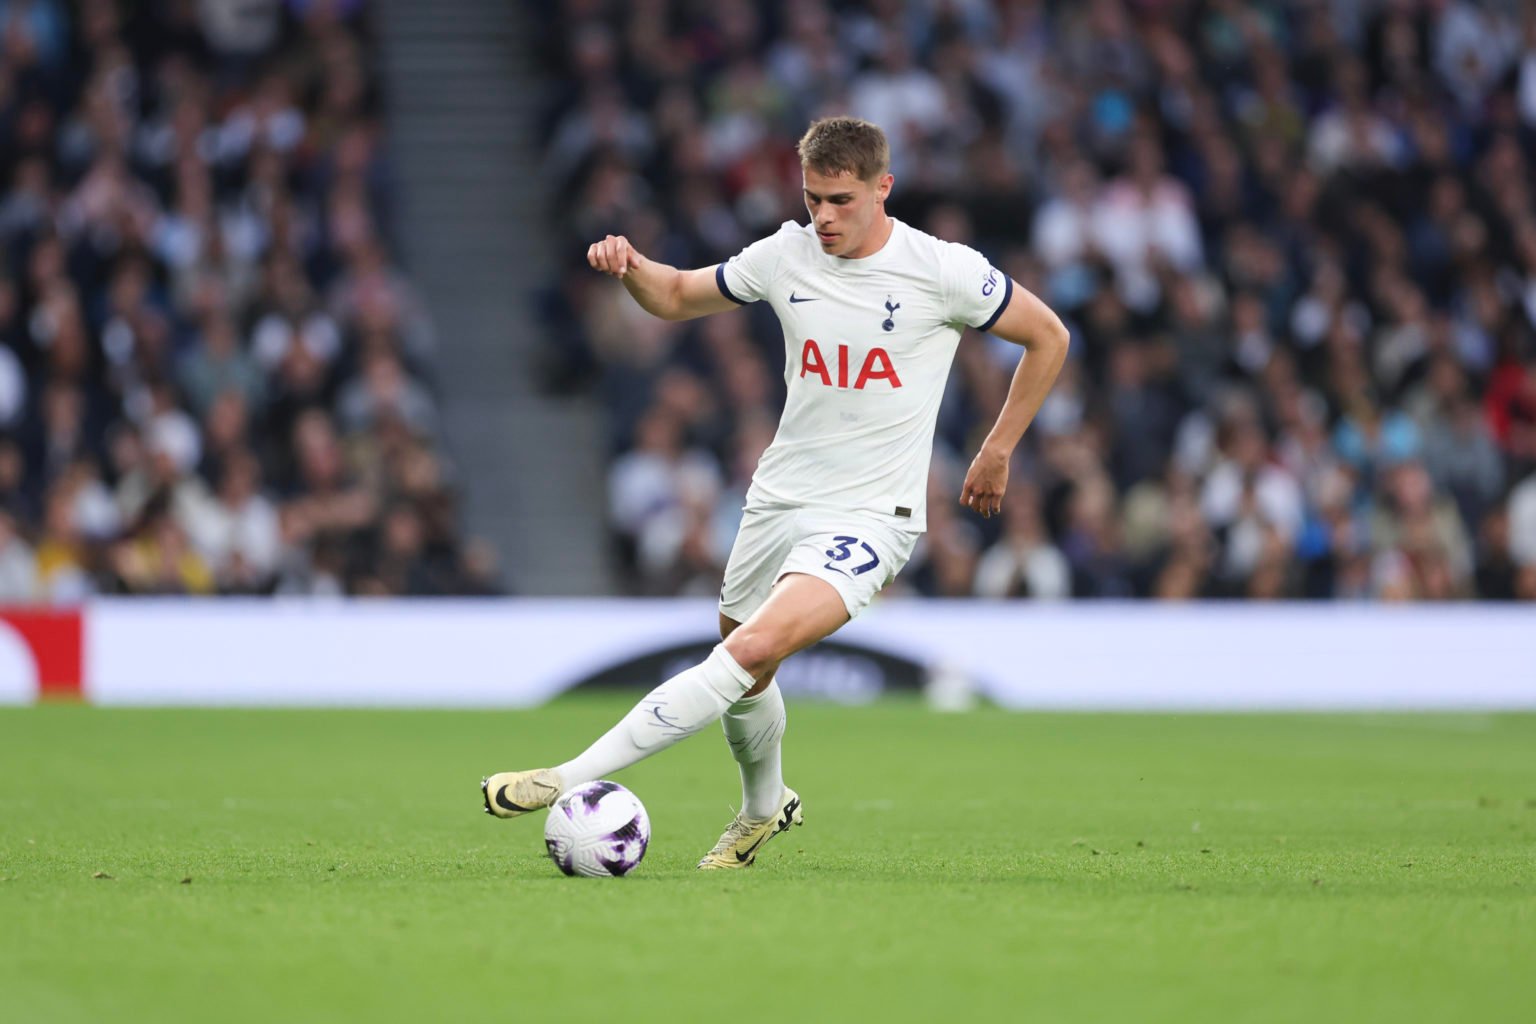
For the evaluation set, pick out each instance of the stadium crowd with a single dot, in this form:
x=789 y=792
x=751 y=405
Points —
x=1295 y=244
x=213 y=376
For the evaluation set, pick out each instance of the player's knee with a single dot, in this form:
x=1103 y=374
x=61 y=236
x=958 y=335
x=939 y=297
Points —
x=727 y=626
x=755 y=650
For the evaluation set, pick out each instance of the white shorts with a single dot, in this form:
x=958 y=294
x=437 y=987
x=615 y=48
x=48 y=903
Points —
x=856 y=552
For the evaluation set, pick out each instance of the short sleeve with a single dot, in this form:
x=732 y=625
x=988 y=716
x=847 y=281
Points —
x=976 y=292
x=746 y=276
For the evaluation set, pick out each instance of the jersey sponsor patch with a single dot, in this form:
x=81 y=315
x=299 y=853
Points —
x=877 y=365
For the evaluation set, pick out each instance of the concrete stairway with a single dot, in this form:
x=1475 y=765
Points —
x=461 y=94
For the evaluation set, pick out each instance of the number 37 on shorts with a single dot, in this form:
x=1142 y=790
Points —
x=843 y=552
x=855 y=553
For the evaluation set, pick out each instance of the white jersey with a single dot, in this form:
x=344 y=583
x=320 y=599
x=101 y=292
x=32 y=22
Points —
x=868 y=346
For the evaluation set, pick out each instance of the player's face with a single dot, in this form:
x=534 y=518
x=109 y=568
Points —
x=845 y=210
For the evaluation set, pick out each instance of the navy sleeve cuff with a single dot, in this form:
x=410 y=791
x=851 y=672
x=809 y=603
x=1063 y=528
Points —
x=1007 y=294
x=725 y=289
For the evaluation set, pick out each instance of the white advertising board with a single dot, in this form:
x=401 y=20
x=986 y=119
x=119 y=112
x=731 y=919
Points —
x=520 y=652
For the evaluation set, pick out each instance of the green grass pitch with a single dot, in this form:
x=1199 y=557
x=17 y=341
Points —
x=194 y=865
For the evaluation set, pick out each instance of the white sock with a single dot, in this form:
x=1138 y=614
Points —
x=676 y=709
x=754 y=727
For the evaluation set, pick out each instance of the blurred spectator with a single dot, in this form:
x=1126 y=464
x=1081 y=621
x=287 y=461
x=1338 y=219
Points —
x=157 y=558
x=384 y=389
x=18 y=567
x=657 y=492
x=235 y=530
x=63 y=559
x=1023 y=562
x=1522 y=525
x=1144 y=221
x=1422 y=536
x=218 y=365
x=1295 y=244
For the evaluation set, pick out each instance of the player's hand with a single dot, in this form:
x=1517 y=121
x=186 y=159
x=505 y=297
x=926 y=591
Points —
x=613 y=256
x=985 y=482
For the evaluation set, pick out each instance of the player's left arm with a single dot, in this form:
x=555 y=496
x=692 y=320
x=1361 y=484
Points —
x=1028 y=322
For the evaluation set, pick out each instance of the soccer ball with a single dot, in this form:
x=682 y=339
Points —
x=597 y=830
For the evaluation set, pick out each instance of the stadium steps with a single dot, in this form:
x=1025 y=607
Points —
x=462 y=96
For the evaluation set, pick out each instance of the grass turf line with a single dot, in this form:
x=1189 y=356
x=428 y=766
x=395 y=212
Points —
x=1041 y=867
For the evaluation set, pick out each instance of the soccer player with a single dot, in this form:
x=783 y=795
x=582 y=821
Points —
x=872 y=312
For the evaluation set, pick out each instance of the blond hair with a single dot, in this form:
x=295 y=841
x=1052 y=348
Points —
x=845 y=145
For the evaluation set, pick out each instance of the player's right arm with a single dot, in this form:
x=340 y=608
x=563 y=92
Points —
x=661 y=290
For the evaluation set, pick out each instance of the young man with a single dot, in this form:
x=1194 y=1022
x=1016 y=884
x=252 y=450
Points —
x=872 y=312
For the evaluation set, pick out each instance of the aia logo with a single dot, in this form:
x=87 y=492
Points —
x=877 y=365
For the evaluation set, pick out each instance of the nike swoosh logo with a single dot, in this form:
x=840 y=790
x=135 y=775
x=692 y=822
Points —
x=795 y=298
x=508 y=805
x=741 y=858
x=784 y=823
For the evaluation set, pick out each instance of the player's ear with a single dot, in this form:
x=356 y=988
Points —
x=883 y=188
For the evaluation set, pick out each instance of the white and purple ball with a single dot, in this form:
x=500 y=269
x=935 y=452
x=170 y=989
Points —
x=597 y=830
